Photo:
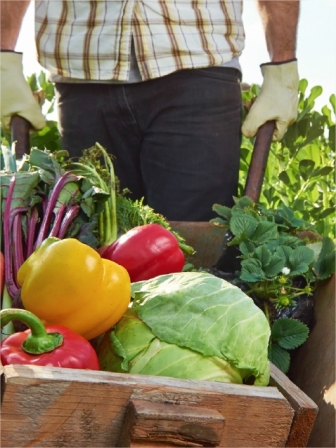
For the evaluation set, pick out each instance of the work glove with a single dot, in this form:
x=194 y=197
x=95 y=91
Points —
x=16 y=95
x=277 y=100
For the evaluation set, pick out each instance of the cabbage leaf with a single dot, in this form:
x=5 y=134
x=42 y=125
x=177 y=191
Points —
x=203 y=313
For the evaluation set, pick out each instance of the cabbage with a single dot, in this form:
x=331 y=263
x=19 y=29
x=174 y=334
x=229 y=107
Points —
x=190 y=325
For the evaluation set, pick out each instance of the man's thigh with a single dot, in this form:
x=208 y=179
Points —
x=90 y=113
x=191 y=142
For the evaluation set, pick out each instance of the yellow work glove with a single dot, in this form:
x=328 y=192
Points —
x=277 y=100
x=16 y=95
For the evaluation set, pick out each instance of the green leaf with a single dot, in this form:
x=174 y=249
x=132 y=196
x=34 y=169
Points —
x=219 y=222
x=242 y=203
x=283 y=176
x=223 y=211
x=279 y=357
x=303 y=84
x=289 y=333
x=251 y=271
x=204 y=313
x=310 y=152
x=243 y=224
x=306 y=167
x=246 y=247
x=264 y=231
x=325 y=264
x=301 y=256
x=315 y=92
x=263 y=255
x=274 y=267
x=332 y=100
x=284 y=252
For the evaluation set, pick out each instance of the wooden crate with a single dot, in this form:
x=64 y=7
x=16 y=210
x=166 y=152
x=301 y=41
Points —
x=55 y=407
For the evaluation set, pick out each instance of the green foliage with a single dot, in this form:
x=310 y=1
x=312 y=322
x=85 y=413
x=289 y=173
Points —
x=48 y=137
x=286 y=334
x=301 y=168
x=273 y=258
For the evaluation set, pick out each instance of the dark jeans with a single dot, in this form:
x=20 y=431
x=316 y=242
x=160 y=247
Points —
x=176 y=139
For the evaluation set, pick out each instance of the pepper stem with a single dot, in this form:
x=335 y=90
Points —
x=38 y=341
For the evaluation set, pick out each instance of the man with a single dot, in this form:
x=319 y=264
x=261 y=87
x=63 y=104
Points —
x=156 y=82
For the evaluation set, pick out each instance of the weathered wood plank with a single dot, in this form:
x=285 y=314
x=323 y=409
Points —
x=148 y=424
x=51 y=407
x=313 y=366
x=305 y=408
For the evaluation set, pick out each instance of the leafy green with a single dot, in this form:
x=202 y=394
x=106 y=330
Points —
x=135 y=213
x=286 y=334
x=279 y=357
x=203 y=313
x=190 y=325
x=289 y=333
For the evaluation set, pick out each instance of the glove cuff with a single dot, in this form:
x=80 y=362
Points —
x=10 y=51
x=279 y=63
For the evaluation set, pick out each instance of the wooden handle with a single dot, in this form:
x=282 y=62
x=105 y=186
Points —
x=156 y=424
x=259 y=159
x=20 y=135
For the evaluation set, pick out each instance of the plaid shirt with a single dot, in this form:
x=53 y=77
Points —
x=91 y=40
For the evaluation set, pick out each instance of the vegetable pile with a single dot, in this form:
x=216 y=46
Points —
x=91 y=268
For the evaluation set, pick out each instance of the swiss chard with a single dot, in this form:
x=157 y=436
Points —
x=42 y=199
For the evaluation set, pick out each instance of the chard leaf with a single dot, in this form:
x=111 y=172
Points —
x=289 y=333
x=204 y=313
x=251 y=271
x=70 y=193
x=84 y=231
x=279 y=357
x=44 y=160
x=24 y=190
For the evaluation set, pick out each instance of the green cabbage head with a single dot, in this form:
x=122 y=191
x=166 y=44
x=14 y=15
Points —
x=190 y=325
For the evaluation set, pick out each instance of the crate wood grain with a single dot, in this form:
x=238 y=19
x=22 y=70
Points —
x=54 y=407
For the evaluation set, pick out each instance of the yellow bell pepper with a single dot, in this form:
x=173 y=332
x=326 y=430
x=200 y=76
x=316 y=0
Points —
x=66 y=282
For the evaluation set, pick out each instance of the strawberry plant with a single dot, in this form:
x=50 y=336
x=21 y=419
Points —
x=278 y=266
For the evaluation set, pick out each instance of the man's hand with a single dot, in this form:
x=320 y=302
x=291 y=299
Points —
x=16 y=95
x=278 y=99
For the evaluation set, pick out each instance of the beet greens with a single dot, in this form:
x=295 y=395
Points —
x=45 y=199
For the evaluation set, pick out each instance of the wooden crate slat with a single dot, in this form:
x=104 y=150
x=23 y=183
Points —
x=62 y=407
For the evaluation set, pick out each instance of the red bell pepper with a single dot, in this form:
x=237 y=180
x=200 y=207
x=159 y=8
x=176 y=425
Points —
x=146 y=251
x=53 y=345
